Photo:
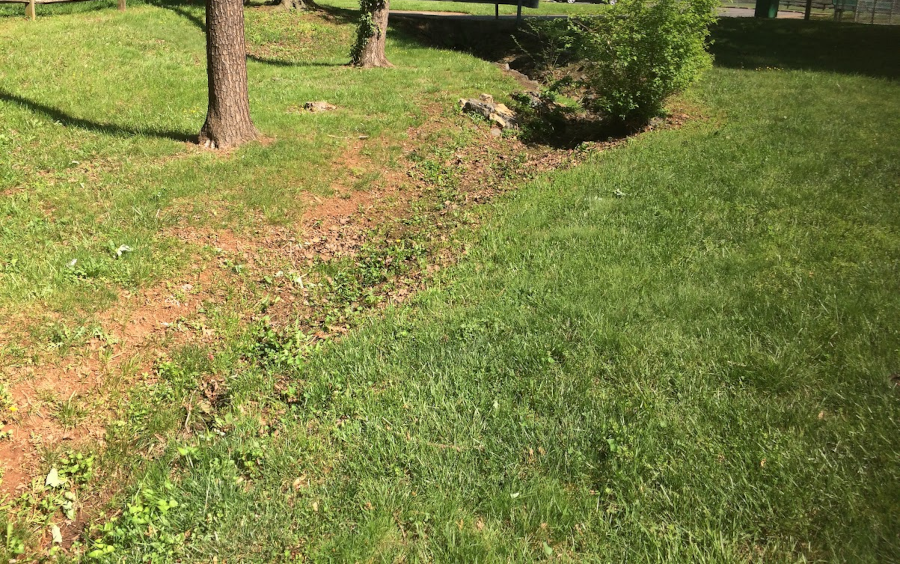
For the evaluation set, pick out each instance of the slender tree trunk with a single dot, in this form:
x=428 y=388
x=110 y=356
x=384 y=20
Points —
x=228 y=116
x=369 y=49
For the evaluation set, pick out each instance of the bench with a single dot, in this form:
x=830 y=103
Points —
x=30 y=11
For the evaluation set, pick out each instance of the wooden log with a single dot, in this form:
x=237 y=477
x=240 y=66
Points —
x=121 y=5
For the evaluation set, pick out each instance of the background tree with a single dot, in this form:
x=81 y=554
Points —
x=368 y=51
x=228 y=115
x=296 y=4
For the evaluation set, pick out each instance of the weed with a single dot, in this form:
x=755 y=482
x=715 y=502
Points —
x=145 y=526
x=69 y=412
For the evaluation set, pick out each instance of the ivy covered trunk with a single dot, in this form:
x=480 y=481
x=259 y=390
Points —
x=228 y=115
x=370 y=35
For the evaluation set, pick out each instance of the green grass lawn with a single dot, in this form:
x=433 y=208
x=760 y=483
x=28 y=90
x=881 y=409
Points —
x=93 y=154
x=679 y=350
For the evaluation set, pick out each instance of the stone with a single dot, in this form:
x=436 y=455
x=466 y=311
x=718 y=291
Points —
x=485 y=107
x=496 y=132
x=320 y=106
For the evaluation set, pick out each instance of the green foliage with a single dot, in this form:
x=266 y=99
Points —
x=144 y=528
x=643 y=52
x=280 y=348
x=72 y=471
x=13 y=540
x=76 y=467
x=6 y=401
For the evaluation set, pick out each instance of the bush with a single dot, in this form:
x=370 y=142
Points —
x=642 y=52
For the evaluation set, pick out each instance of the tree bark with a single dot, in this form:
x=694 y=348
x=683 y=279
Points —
x=228 y=115
x=369 y=50
x=296 y=5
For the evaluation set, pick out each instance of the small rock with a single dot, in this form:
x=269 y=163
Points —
x=485 y=107
x=320 y=106
x=496 y=132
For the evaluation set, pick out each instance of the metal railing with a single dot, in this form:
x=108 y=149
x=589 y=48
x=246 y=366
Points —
x=885 y=12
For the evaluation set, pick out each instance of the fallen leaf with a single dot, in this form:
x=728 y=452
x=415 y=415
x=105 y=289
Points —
x=53 y=480
x=548 y=552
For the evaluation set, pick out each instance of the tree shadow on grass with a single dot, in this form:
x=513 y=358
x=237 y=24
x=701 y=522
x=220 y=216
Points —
x=280 y=63
x=67 y=120
x=485 y=39
x=826 y=46
x=179 y=8
x=338 y=15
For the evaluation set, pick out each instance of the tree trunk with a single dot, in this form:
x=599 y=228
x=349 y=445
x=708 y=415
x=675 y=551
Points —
x=228 y=115
x=296 y=4
x=369 y=49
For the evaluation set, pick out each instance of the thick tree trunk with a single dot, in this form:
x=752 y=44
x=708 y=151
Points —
x=369 y=50
x=228 y=116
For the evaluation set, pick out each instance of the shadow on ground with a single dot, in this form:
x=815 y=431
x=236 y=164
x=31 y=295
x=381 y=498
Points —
x=67 y=120
x=486 y=39
x=808 y=45
x=737 y=42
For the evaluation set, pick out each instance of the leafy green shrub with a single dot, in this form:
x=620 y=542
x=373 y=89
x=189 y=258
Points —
x=642 y=52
